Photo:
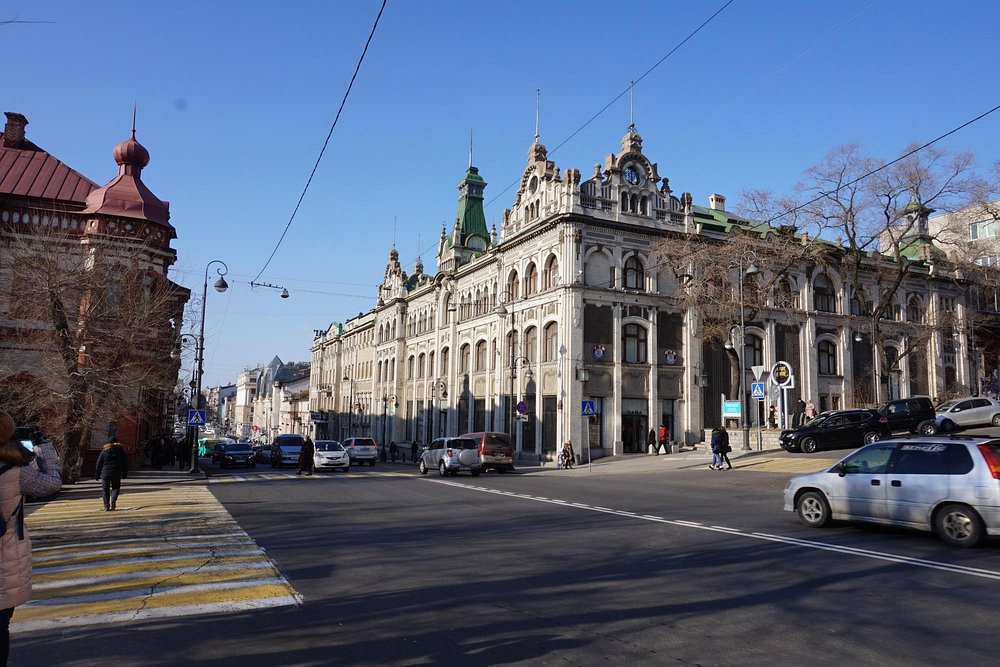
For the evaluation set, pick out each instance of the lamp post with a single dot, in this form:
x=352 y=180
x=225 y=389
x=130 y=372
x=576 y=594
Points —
x=501 y=310
x=350 y=409
x=385 y=409
x=751 y=270
x=220 y=286
x=439 y=390
x=870 y=328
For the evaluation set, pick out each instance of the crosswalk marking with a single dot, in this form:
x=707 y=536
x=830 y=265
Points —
x=793 y=465
x=165 y=553
x=268 y=476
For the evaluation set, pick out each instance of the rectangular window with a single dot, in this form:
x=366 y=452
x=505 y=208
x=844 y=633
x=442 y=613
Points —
x=982 y=230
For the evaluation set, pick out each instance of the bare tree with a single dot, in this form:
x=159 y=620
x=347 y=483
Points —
x=90 y=327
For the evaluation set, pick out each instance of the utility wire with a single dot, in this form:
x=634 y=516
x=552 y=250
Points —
x=623 y=93
x=325 y=143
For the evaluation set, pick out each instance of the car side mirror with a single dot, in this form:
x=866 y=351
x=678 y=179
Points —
x=842 y=469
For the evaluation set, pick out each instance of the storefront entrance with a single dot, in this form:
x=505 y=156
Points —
x=635 y=425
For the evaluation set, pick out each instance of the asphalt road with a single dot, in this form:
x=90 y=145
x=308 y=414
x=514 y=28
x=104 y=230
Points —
x=645 y=566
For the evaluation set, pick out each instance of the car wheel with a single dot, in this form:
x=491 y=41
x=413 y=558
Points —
x=443 y=469
x=813 y=510
x=926 y=428
x=809 y=445
x=958 y=525
x=996 y=420
x=947 y=425
x=870 y=437
x=422 y=467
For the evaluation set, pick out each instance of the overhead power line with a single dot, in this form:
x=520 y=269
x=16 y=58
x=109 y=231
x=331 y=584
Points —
x=325 y=143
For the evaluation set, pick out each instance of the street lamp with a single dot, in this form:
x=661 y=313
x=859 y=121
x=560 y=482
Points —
x=751 y=270
x=220 y=286
x=501 y=310
x=870 y=329
x=385 y=407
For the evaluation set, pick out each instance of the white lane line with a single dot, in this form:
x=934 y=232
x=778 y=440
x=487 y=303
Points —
x=165 y=572
x=808 y=544
x=156 y=612
x=245 y=550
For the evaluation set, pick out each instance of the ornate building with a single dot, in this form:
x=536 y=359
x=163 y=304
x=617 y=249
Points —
x=568 y=328
x=89 y=356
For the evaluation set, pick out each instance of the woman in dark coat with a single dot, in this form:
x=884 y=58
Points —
x=111 y=468
x=307 y=457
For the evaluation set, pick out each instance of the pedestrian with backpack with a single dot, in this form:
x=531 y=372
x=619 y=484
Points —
x=18 y=479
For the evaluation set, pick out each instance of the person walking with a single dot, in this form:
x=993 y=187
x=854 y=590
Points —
x=810 y=409
x=800 y=410
x=18 y=479
x=413 y=452
x=663 y=438
x=651 y=442
x=111 y=468
x=724 y=449
x=307 y=457
x=393 y=450
x=714 y=443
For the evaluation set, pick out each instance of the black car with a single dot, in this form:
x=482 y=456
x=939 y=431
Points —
x=836 y=429
x=237 y=454
x=914 y=414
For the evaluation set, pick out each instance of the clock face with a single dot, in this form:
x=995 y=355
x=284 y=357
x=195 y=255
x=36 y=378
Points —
x=632 y=174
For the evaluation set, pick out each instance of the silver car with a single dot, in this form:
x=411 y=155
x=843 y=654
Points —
x=451 y=455
x=967 y=412
x=948 y=484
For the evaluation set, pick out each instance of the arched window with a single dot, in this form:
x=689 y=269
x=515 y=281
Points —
x=493 y=355
x=644 y=206
x=463 y=358
x=634 y=273
x=513 y=285
x=634 y=337
x=825 y=299
x=420 y=365
x=444 y=362
x=531 y=344
x=481 y=355
x=409 y=368
x=826 y=357
x=430 y=364
x=914 y=310
x=785 y=295
x=550 y=342
x=530 y=280
x=551 y=275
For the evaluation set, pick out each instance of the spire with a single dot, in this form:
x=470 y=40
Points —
x=470 y=148
x=631 y=104
x=538 y=104
x=133 y=119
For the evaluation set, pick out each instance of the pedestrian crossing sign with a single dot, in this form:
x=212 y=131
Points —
x=588 y=409
x=757 y=389
x=196 y=417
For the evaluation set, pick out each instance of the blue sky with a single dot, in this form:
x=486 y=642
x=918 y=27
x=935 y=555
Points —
x=235 y=99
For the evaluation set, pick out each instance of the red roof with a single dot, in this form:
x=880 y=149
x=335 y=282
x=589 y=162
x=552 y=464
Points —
x=28 y=171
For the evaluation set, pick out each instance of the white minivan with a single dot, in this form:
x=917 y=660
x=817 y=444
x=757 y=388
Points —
x=948 y=484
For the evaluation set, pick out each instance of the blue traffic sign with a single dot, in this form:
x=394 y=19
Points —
x=522 y=407
x=757 y=390
x=196 y=417
x=587 y=408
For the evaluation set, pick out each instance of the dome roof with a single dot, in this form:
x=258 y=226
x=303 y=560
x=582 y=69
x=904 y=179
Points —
x=131 y=152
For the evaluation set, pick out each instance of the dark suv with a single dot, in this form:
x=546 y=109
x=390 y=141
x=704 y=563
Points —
x=836 y=429
x=914 y=414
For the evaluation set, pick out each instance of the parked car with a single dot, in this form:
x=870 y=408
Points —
x=331 y=455
x=236 y=454
x=965 y=412
x=450 y=456
x=211 y=447
x=261 y=453
x=914 y=414
x=836 y=429
x=361 y=450
x=948 y=484
x=285 y=449
x=496 y=450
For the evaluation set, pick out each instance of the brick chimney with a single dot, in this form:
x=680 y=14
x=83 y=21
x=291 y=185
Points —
x=717 y=202
x=13 y=131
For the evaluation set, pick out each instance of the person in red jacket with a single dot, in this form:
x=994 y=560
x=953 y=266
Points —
x=663 y=439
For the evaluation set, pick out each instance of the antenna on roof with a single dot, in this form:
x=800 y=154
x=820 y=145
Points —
x=470 y=148
x=538 y=103
x=393 y=231
x=133 y=119
x=631 y=99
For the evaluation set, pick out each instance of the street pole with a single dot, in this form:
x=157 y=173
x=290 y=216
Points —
x=220 y=286
x=741 y=357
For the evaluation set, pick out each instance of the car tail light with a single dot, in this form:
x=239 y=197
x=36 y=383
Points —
x=448 y=453
x=991 y=460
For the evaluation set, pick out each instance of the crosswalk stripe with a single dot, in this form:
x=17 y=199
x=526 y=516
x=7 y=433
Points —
x=173 y=552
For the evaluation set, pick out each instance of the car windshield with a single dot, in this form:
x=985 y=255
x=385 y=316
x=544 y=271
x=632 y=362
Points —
x=460 y=443
x=817 y=420
x=238 y=447
x=328 y=446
